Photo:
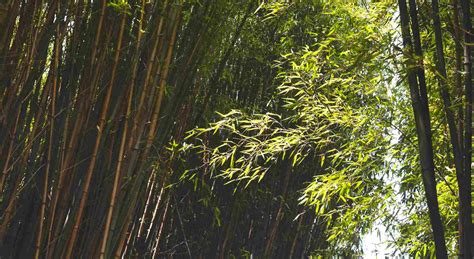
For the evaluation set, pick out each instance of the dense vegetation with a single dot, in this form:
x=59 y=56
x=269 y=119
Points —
x=219 y=129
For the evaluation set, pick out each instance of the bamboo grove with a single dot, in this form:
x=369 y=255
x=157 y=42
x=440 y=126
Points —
x=219 y=129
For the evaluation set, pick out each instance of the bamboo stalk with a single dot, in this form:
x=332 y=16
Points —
x=149 y=68
x=69 y=151
x=160 y=230
x=465 y=195
x=151 y=188
x=162 y=85
x=50 y=146
x=100 y=129
x=122 y=142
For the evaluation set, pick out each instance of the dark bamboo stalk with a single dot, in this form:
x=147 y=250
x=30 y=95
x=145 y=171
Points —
x=466 y=181
x=419 y=100
x=457 y=147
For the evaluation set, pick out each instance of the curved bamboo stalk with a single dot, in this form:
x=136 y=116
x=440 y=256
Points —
x=118 y=169
x=100 y=129
x=69 y=151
